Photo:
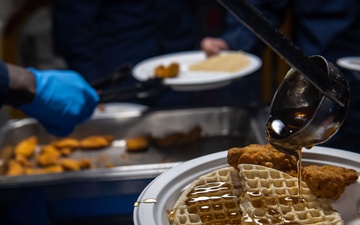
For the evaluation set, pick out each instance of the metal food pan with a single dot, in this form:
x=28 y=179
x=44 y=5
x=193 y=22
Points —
x=221 y=129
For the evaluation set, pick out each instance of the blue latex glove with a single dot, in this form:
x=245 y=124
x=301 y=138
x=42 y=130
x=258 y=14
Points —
x=63 y=100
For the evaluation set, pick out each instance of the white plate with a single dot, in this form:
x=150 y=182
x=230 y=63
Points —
x=111 y=108
x=167 y=187
x=350 y=63
x=192 y=80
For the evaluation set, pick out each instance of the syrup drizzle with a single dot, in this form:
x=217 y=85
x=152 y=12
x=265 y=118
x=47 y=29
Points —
x=215 y=204
x=299 y=171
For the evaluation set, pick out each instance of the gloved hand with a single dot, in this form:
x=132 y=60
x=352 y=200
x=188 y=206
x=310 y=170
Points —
x=63 y=100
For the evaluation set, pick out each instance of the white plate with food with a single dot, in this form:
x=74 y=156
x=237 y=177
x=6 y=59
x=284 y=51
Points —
x=163 y=192
x=196 y=72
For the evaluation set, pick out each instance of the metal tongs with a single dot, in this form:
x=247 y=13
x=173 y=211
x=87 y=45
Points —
x=329 y=83
x=140 y=90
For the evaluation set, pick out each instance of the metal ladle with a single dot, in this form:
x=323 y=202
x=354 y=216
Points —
x=312 y=101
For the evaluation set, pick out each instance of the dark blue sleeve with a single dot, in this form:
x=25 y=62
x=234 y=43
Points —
x=4 y=81
x=73 y=23
x=239 y=37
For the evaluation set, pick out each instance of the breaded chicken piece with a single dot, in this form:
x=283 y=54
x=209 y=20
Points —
x=66 y=143
x=328 y=181
x=15 y=168
x=48 y=149
x=350 y=176
x=264 y=155
x=167 y=71
x=65 y=151
x=49 y=156
x=47 y=159
x=21 y=159
x=85 y=163
x=70 y=164
x=96 y=141
x=137 y=144
x=26 y=147
x=50 y=169
x=178 y=138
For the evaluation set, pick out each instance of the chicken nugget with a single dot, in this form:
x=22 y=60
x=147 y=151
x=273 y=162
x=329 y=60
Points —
x=15 y=168
x=70 y=164
x=167 y=71
x=65 y=151
x=328 y=181
x=26 y=147
x=264 y=155
x=178 y=138
x=137 y=144
x=49 y=156
x=50 y=169
x=48 y=149
x=168 y=140
x=71 y=143
x=21 y=159
x=85 y=163
x=96 y=141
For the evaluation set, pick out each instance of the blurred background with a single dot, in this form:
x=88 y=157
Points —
x=26 y=40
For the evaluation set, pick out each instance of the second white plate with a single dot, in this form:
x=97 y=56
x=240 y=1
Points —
x=192 y=80
x=350 y=63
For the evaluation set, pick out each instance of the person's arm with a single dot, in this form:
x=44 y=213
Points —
x=58 y=99
x=18 y=86
x=238 y=37
x=73 y=31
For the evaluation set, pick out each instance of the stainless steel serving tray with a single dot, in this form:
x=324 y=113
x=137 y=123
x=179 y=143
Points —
x=222 y=128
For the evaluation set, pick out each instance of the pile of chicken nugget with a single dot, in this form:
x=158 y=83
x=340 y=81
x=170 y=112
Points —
x=28 y=158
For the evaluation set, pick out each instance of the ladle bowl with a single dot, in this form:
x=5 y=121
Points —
x=301 y=115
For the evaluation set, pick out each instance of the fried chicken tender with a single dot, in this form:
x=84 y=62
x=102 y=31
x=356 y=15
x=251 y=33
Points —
x=22 y=160
x=47 y=159
x=49 y=156
x=65 y=151
x=66 y=143
x=167 y=71
x=15 y=168
x=85 y=163
x=70 y=164
x=50 y=169
x=178 y=138
x=264 y=155
x=328 y=181
x=26 y=147
x=96 y=141
x=137 y=144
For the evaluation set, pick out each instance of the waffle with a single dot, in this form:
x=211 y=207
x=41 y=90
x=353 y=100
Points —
x=212 y=199
x=270 y=195
x=251 y=195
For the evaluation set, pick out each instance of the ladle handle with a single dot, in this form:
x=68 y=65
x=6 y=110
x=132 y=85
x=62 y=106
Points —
x=263 y=29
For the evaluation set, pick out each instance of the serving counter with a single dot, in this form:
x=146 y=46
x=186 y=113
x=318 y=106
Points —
x=110 y=192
